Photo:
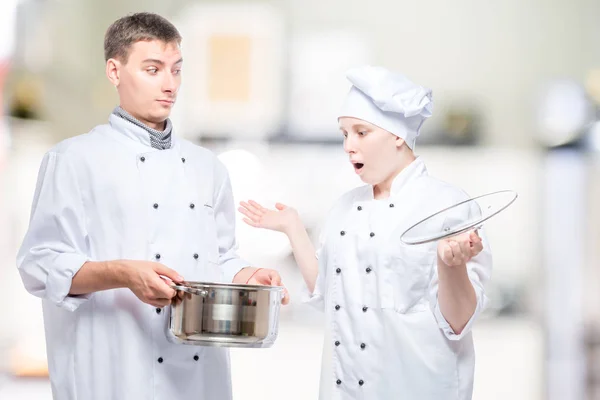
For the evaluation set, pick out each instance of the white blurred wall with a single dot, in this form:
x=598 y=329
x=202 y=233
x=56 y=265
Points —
x=494 y=57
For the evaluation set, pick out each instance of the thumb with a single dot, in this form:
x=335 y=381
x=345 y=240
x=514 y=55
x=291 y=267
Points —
x=280 y=206
x=168 y=272
x=275 y=278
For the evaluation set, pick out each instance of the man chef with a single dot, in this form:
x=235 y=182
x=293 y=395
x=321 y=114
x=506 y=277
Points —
x=120 y=213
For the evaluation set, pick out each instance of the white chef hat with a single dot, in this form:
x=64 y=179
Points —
x=388 y=100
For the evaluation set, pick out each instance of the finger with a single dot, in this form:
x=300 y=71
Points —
x=475 y=243
x=446 y=253
x=465 y=236
x=254 y=207
x=456 y=253
x=244 y=205
x=257 y=205
x=172 y=293
x=275 y=278
x=166 y=280
x=286 y=297
x=164 y=291
x=476 y=249
x=251 y=223
x=162 y=269
x=250 y=209
x=280 y=206
x=163 y=288
x=465 y=248
x=253 y=216
x=474 y=237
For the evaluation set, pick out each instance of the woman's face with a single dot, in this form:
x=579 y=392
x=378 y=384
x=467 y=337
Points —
x=374 y=152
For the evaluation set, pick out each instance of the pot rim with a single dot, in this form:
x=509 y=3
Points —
x=241 y=286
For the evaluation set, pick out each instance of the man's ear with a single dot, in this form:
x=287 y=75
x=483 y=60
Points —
x=113 y=71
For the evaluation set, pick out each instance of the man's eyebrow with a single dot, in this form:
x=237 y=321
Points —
x=155 y=61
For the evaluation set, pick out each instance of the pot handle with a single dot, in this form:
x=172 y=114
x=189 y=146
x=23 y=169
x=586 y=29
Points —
x=197 y=292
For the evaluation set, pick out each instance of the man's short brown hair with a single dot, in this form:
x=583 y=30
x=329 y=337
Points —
x=133 y=28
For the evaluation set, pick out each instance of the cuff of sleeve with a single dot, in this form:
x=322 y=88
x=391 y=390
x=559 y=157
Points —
x=314 y=299
x=445 y=326
x=60 y=280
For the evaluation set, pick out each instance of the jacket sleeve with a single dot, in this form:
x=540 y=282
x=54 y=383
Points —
x=479 y=270
x=55 y=246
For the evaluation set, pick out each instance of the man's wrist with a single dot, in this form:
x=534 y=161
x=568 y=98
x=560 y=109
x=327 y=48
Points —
x=244 y=274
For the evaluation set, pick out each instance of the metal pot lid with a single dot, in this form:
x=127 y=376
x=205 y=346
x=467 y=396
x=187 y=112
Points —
x=459 y=218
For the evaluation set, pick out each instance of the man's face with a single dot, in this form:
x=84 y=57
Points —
x=148 y=83
x=373 y=152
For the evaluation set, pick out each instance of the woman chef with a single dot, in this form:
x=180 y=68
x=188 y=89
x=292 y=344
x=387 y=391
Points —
x=398 y=317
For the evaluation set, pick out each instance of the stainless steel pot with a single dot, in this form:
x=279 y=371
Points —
x=220 y=314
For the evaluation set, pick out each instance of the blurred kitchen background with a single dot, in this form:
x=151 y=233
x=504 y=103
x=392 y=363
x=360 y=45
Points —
x=516 y=88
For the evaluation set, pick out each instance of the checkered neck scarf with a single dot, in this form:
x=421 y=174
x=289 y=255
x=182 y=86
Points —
x=158 y=139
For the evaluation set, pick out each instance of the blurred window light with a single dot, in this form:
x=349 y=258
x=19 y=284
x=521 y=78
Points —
x=563 y=111
x=8 y=14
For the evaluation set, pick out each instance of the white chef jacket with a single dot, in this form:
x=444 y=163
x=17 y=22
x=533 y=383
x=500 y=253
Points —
x=385 y=335
x=109 y=195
